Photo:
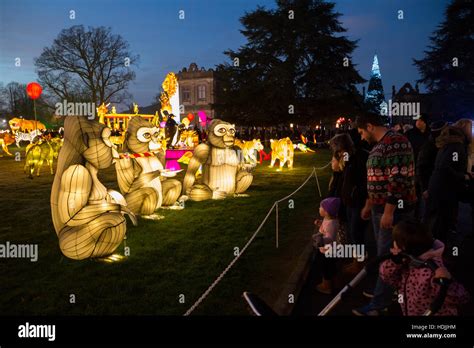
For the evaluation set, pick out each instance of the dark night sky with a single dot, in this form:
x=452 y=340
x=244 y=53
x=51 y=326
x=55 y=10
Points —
x=166 y=43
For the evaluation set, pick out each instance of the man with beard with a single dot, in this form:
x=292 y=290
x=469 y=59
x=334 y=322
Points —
x=391 y=194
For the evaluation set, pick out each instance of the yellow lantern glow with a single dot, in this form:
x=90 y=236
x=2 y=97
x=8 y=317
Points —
x=283 y=151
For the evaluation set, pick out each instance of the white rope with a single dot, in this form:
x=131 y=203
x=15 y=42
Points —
x=277 y=237
x=317 y=182
x=218 y=279
x=277 y=232
x=321 y=168
x=304 y=183
x=231 y=264
x=299 y=188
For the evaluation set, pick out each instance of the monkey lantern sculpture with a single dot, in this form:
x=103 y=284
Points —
x=223 y=173
x=88 y=219
x=141 y=175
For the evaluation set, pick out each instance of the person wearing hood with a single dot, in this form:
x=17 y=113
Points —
x=417 y=286
x=447 y=181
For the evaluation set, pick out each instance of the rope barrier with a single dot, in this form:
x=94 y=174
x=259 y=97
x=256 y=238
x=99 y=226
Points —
x=314 y=171
x=321 y=168
x=299 y=188
x=317 y=184
x=304 y=183
x=231 y=264
x=218 y=279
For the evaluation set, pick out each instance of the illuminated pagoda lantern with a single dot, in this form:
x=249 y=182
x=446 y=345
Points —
x=118 y=123
x=115 y=121
x=375 y=98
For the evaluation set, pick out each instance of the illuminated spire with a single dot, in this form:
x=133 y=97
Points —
x=375 y=67
x=375 y=95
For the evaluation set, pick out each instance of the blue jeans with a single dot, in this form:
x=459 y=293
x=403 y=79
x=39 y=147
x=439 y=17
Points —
x=383 y=292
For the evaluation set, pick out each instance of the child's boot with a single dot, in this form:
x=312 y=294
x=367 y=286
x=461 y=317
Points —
x=354 y=267
x=325 y=287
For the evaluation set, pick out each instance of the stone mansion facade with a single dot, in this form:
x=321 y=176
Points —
x=196 y=89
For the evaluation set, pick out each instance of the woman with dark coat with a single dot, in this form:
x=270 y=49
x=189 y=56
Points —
x=426 y=161
x=353 y=182
x=447 y=182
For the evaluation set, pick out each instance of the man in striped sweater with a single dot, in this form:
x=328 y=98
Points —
x=391 y=194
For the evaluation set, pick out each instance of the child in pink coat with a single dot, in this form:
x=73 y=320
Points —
x=416 y=285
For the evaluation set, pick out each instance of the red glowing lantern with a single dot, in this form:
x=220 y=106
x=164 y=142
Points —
x=34 y=90
x=190 y=117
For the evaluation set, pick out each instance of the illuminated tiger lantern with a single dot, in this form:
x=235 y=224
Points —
x=222 y=171
x=249 y=149
x=283 y=151
x=6 y=139
x=20 y=124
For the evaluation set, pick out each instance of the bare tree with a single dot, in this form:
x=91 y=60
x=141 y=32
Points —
x=14 y=102
x=3 y=101
x=14 y=95
x=92 y=64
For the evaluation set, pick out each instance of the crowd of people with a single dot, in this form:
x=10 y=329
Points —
x=317 y=137
x=404 y=184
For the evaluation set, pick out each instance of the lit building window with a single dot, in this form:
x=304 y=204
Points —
x=201 y=92
x=186 y=94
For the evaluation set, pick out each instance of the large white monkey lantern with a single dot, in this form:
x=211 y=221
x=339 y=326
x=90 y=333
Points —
x=88 y=219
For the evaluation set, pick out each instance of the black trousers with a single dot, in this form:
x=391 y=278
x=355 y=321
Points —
x=327 y=265
x=442 y=220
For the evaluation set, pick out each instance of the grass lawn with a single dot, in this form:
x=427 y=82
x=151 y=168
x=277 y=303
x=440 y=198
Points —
x=181 y=254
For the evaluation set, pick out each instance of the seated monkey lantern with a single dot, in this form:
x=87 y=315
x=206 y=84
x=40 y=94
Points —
x=141 y=174
x=222 y=171
x=88 y=219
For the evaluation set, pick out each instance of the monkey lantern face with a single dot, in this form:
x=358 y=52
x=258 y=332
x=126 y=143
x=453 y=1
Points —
x=226 y=132
x=150 y=135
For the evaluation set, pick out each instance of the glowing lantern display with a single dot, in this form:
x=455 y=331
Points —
x=249 y=148
x=88 y=219
x=170 y=97
x=283 y=151
x=147 y=191
x=34 y=89
x=222 y=171
x=202 y=117
x=340 y=121
x=185 y=121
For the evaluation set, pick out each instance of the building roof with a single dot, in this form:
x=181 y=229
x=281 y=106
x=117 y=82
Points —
x=193 y=72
